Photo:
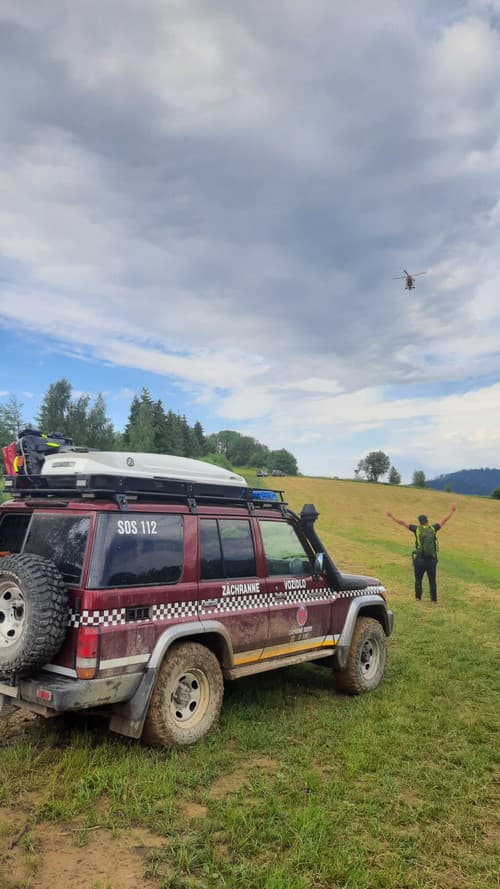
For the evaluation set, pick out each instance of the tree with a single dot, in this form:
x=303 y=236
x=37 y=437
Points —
x=174 y=433
x=11 y=421
x=100 y=431
x=133 y=418
x=54 y=408
x=282 y=460
x=375 y=464
x=218 y=460
x=394 y=476
x=140 y=430
x=75 y=423
x=419 y=480
x=360 y=468
x=496 y=494
x=200 y=436
x=75 y=418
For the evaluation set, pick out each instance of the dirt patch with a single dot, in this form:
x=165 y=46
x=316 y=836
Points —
x=231 y=783
x=56 y=856
x=411 y=799
x=492 y=833
x=15 y=725
x=194 y=810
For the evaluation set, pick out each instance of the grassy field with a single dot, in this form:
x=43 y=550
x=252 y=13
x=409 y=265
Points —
x=299 y=787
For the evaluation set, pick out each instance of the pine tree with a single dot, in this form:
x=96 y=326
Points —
x=76 y=421
x=132 y=420
x=394 y=476
x=11 y=421
x=54 y=408
x=200 y=436
x=101 y=433
x=174 y=433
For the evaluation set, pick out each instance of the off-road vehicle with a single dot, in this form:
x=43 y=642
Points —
x=136 y=584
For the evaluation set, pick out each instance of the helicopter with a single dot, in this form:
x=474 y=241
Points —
x=410 y=279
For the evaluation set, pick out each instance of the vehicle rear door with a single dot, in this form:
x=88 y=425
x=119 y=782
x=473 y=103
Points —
x=230 y=590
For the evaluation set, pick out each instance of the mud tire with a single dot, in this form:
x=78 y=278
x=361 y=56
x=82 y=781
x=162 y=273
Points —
x=187 y=697
x=34 y=613
x=366 y=659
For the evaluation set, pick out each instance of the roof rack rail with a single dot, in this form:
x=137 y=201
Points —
x=119 y=488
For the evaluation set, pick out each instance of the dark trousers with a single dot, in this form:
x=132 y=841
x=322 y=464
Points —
x=425 y=565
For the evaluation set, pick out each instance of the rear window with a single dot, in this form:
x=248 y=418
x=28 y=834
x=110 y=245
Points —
x=137 y=550
x=12 y=530
x=62 y=539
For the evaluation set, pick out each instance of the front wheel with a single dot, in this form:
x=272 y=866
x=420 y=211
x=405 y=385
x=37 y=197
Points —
x=366 y=659
x=187 y=697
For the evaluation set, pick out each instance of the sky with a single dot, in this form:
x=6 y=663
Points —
x=212 y=200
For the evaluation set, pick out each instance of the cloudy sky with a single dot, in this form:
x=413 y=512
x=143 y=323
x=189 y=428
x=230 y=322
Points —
x=211 y=199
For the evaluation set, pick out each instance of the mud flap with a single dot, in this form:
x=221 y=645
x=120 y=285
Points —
x=128 y=718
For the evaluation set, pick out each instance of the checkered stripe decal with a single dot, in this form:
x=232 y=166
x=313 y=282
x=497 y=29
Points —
x=112 y=617
x=174 y=609
x=369 y=591
x=236 y=603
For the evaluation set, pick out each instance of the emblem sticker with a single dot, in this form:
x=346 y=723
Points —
x=301 y=615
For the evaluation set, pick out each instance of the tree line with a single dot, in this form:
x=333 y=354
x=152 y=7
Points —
x=377 y=464
x=150 y=428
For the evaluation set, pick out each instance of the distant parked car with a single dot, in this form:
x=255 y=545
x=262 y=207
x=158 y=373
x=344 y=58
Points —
x=262 y=473
x=277 y=472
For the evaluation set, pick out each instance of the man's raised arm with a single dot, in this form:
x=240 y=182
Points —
x=452 y=510
x=399 y=521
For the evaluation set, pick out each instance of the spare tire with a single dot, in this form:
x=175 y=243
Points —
x=34 y=612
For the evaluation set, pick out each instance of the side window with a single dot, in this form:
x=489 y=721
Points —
x=210 y=549
x=284 y=551
x=227 y=549
x=12 y=531
x=137 y=550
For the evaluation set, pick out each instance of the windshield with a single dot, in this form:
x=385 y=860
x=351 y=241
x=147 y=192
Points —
x=62 y=539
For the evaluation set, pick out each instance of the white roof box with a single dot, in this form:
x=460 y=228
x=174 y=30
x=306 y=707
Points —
x=160 y=466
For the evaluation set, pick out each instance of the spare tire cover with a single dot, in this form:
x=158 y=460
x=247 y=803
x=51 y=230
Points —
x=34 y=612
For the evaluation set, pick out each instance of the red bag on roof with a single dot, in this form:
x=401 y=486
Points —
x=9 y=455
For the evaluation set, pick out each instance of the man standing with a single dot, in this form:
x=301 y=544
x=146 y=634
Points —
x=426 y=550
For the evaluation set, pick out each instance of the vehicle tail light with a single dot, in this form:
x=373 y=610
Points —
x=87 y=653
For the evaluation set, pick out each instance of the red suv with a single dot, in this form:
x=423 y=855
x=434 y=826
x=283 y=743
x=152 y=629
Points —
x=140 y=596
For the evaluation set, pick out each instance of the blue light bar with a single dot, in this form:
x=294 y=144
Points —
x=259 y=494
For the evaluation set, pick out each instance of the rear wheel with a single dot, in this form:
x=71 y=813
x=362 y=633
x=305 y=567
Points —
x=33 y=612
x=366 y=659
x=187 y=697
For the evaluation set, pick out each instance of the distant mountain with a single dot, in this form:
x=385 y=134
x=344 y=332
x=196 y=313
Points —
x=468 y=481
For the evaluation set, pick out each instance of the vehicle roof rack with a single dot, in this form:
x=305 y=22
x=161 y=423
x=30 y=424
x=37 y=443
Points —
x=149 y=488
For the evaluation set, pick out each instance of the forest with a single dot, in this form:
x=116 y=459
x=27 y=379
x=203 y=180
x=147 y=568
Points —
x=150 y=428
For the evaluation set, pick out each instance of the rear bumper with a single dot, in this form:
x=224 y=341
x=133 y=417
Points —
x=56 y=694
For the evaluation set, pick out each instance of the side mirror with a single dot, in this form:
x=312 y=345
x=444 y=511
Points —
x=319 y=564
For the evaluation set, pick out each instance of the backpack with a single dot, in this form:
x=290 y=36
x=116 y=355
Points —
x=427 y=544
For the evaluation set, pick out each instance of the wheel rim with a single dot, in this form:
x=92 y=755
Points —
x=189 y=698
x=370 y=658
x=12 y=613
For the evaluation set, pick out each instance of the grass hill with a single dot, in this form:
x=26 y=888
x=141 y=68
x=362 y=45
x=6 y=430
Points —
x=468 y=481
x=299 y=787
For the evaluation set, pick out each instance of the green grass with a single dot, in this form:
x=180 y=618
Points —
x=301 y=787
